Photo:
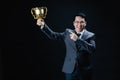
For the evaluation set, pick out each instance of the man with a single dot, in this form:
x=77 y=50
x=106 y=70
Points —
x=80 y=44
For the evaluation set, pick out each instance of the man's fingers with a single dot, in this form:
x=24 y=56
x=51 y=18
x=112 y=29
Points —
x=40 y=20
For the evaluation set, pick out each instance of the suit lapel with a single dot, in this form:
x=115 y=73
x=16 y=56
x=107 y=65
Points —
x=70 y=41
x=86 y=35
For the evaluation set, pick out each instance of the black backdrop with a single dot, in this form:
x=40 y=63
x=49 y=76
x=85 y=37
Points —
x=30 y=54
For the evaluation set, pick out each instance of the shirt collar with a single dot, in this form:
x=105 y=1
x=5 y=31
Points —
x=81 y=32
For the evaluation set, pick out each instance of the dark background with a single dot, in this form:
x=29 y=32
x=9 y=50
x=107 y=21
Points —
x=29 y=54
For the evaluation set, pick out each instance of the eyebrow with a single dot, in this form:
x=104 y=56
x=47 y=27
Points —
x=79 y=21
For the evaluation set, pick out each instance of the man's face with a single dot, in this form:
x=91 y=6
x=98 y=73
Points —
x=79 y=23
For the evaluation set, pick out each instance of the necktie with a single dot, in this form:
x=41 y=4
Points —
x=78 y=34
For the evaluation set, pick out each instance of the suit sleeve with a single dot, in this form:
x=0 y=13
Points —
x=86 y=45
x=51 y=34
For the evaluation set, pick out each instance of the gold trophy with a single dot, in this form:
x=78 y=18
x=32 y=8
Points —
x=39 y=12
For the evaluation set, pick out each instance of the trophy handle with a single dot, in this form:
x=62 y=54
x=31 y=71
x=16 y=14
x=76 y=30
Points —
x=43 y=12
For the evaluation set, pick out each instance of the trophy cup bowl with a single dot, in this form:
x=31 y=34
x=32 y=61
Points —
x=39 y=12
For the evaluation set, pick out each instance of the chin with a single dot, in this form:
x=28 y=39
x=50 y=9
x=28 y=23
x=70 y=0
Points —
x=79 y=30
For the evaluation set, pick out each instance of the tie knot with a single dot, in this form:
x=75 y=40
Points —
x=78 y=34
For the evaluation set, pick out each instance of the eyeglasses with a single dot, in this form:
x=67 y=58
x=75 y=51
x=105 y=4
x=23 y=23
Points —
x=79 y=22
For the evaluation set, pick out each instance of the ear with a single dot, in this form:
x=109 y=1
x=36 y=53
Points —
x=85 y=24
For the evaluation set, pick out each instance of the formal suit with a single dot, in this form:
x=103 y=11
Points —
x=77 y=52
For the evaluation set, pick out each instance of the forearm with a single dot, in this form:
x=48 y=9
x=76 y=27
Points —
x=84 y=45
x=50 y=33
x=45 y=29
